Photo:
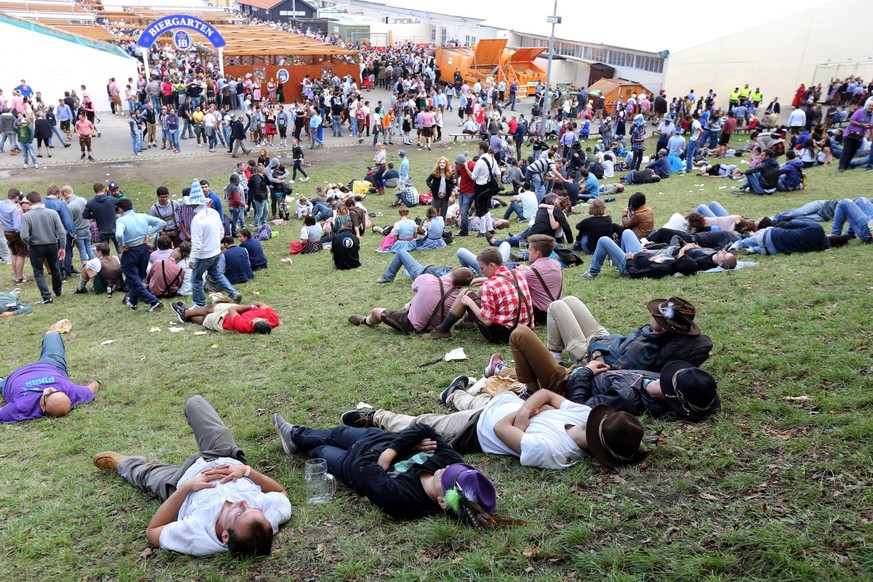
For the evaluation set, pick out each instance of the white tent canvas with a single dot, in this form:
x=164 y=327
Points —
x=54 y=61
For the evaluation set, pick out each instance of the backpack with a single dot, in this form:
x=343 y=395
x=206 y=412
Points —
x=165 y=278
x=264 y=233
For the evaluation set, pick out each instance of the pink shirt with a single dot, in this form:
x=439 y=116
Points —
x=551 y=272
x=426 y=301
x=84 y=128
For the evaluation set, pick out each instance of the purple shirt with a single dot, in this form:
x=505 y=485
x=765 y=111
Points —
x=550 y=270
x=424 y=312
x=24 y=388
x=860 y=116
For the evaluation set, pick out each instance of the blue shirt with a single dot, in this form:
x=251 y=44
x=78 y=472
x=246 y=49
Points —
x=591 y=186
x=404 y=169
x=10 y=216
x=61 y=208
x=132 y=228
x=216 y=205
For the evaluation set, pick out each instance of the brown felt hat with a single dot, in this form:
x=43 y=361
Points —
x=674 y=314
x=614 y=437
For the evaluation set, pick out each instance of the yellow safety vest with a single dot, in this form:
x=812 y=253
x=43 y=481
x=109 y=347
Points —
x=735 y=96
x=744 y=92
x=757 y=96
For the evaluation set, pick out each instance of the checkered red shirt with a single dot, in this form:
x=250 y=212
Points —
x=501 y=302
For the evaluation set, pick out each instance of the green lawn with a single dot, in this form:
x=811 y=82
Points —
x=769 y=488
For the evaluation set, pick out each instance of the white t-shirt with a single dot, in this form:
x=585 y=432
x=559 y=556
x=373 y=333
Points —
x=696 y=129
x=545 y=443
x=529 y=203
x=194 y=531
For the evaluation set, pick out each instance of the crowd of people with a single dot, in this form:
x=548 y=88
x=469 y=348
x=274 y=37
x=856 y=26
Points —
x=562 y=409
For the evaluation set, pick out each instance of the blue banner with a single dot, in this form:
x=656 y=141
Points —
x=162 y=25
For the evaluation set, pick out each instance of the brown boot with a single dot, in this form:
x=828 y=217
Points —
x=436 y=334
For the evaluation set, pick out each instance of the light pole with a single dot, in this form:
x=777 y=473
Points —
x=553 y=19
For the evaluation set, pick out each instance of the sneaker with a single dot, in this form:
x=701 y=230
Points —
x=127 y=302
x=384 y=279
x=589 y=274
x=90 y=159
x=82 y=157
x=48 y=301
x=285 y=429
x=179 y=308
x=25 y=166
x=156 y=307
x=495 y=364
x=36 y=166
x=358 y=320
x=21 y=280
x=237 y=297
x=110 y=289
x=358 y=418
x=436 y=334
x=81 y=291
x=459 y=383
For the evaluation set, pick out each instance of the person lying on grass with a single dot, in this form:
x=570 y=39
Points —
x=214 y=502
x=407 y=475
x=434 y=297
x=224 y=316
x=43 y=388
x=546 y=431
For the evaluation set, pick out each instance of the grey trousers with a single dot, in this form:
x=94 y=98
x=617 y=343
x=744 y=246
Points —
x=572 y=327
x=213 y=440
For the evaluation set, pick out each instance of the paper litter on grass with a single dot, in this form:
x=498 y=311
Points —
x=106 y=342
x=362 y=405
x=154 y=329
x=175 y=329
x=62 y=326
x=200 y=332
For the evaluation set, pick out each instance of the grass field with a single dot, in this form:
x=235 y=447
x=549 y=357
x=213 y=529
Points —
x=773 y=487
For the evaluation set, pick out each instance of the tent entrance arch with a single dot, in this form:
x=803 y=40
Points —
x=180 y=21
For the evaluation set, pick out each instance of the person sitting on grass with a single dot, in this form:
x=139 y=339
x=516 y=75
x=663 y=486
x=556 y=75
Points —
x=224 y=316
x=234 y=263
x=407 y=475
x=503 y=303
x=257 y=258
x=546 y=431
x=43 y=388
x=104 y=271
x=434 y=296
x=310 y=237
x=592 y=228
x=679 y=387
x=214 y=502
x=670 y=335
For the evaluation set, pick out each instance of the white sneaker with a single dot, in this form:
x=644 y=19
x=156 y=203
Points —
x=290 y=181
x=25 y=166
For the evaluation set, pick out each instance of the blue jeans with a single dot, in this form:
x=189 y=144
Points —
x=468 y=259
x=857 y=213
x=689 y=154
x=536 y=180
x=134 y=262
x=403 y=259
x=27 y=149
x=53 y=352
x=333 y=446
x=136 y=142
x=210 y=266
x=11 y=137
x=174 y=139
x=755 y=243
x=511 y=102
x=714 y=209
x=606 y=247
x=514 y=207
x=156 y=102
x=260 y=212
x=83 y=243
x=187 y=127
x=817 y=210
x=465 y=202
x=56 y=132
x=237 y=218
x=337 y=125
x=321 y=211
x=753 y=182
x=514 y=240
x=298 y=167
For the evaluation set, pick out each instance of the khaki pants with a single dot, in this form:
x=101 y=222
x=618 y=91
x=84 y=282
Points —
x=449 y=426
x=572 y=327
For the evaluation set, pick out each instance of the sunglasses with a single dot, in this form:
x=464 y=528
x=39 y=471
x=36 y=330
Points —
x=43 y=400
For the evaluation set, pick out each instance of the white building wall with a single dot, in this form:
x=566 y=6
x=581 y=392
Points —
x=63 y=65
x=777 y=57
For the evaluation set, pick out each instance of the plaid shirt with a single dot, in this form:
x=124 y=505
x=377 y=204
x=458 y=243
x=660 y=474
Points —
x=502 y=304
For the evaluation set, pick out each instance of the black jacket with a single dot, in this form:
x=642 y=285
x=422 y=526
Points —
x=542 y=224
x=101 y=208
x=621 y=389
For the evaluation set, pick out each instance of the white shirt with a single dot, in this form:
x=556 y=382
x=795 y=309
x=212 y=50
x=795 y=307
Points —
x=193 y=532
x=797 y=118
x=546 y=443
x=480 y=170
x=206 y=233
x=696 y=129
x=529 y=203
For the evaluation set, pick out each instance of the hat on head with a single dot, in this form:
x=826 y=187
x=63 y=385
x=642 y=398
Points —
x=675 y=314
x=614 y=438
x=22 y=121
x=460 y=159
x=113 y=185
x=470 y=486
x=765 y=222
x=689 y=391
x=401 y=153
x=196 y=197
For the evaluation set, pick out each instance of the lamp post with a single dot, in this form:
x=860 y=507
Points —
x=553 y=19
